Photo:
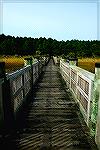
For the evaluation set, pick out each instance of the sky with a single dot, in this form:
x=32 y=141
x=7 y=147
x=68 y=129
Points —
x=57 y=20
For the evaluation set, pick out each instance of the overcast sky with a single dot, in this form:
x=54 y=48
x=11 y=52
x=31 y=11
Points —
x=59 y=20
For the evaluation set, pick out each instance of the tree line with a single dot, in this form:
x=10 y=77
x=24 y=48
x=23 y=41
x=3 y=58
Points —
x=10 y=45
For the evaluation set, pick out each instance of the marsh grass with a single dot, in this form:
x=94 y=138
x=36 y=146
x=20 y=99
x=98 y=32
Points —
x=12 y=63
x=88 y=63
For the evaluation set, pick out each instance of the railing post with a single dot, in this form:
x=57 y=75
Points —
x=2 y=70
x=97 y=101
x=39 y=68
x=7 y=103
x=72 y=61
x=2 y=64
x=95 y=106
x=29 y=61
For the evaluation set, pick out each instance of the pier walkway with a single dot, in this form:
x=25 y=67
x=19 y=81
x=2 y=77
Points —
x=52 y=120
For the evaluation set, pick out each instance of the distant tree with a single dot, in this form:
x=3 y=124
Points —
x=29 y=46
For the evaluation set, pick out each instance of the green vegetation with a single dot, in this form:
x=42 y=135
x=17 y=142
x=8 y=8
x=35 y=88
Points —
x=30 y=46
x=13 y=50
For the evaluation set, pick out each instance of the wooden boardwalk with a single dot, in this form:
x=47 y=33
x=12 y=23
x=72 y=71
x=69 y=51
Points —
x=52 y=120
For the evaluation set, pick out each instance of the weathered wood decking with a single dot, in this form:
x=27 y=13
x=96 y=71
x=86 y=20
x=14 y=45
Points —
x=52 y=120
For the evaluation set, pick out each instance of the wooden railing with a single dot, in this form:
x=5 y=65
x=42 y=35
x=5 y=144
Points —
x=80 y=83
x=19 y=85
x=15 y=89
x=85 y=87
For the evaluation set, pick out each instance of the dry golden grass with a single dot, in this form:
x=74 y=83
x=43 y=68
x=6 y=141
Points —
x=12 y=63
x=88 y=63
